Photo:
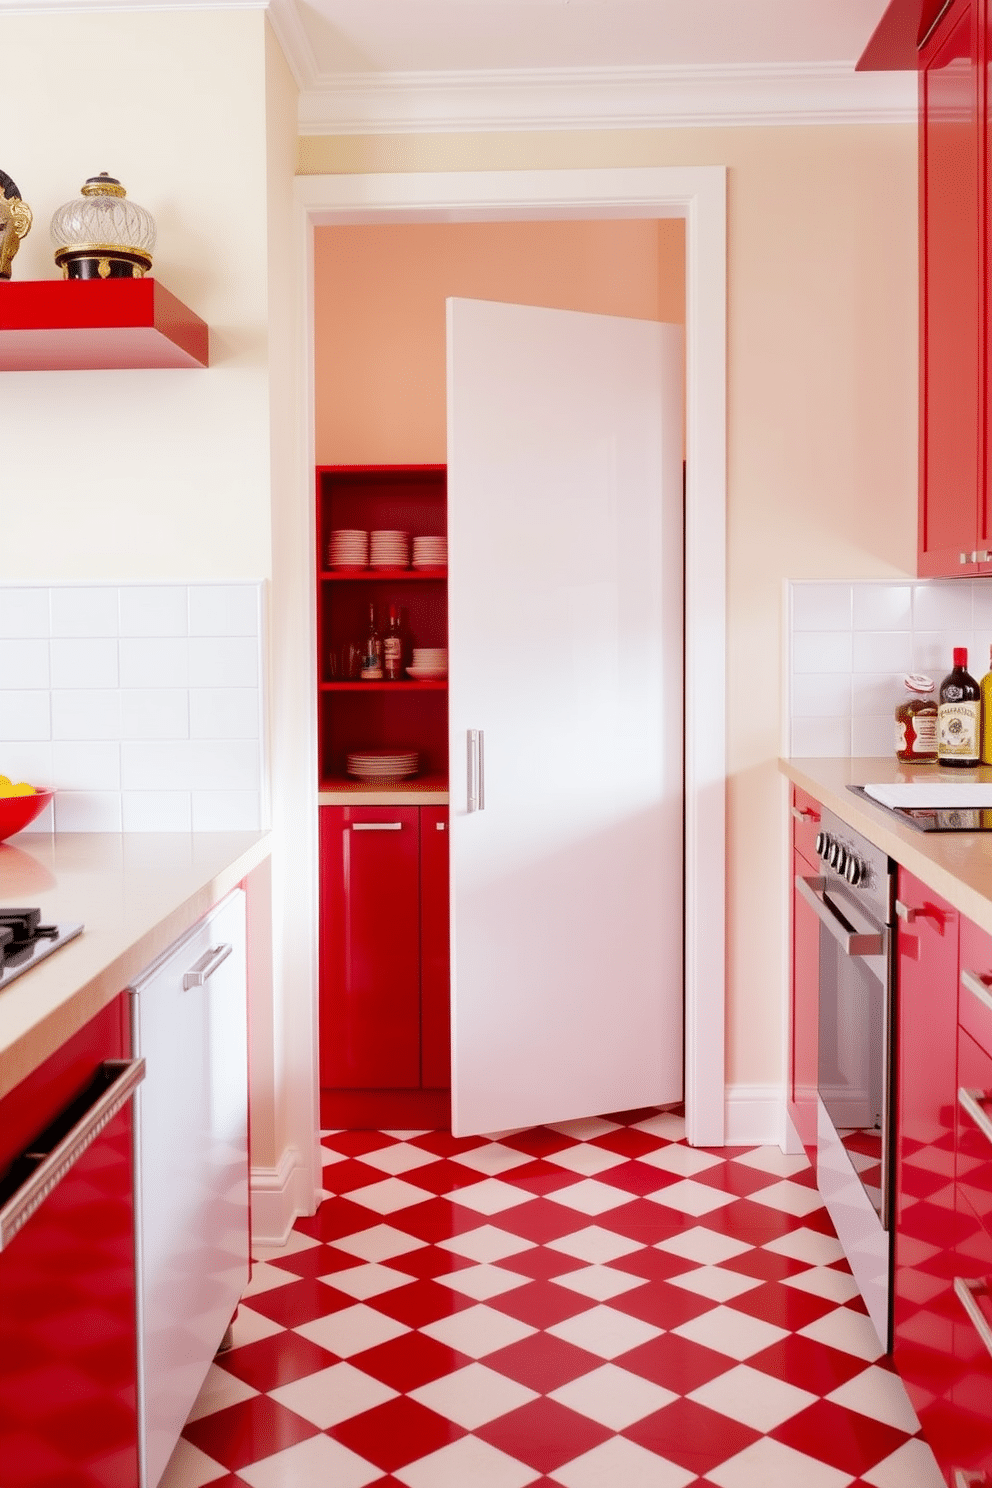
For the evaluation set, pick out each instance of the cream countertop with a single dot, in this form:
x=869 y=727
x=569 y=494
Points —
x=135 y=894
x=956 y=865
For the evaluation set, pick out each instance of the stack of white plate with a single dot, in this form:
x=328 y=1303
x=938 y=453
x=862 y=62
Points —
x=383 y=764
x=348 y=548
x=429 y=662
x=430 y=552
x=390 y=550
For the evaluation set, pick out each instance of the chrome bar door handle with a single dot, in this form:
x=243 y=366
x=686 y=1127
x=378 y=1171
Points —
x=198 y=975
x=967 y=1292
x=472 y=765
x=973 y=983
x=482 y=770
x=377 y=826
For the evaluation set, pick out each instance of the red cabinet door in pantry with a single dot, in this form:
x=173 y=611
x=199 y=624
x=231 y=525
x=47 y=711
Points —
x=435 y=950
x=803 y=1040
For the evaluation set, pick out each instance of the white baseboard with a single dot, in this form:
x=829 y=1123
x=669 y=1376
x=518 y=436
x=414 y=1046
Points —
x=757 y=1117
x=278 y=1197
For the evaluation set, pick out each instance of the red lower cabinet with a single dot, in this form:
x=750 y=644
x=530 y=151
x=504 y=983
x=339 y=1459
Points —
x=68 y=1338
x=804 y=1003
x=384 y=965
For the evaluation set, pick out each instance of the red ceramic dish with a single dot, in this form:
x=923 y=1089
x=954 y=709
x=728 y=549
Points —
x=17 y=812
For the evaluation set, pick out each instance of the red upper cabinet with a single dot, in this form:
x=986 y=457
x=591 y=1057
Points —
x=953 y=525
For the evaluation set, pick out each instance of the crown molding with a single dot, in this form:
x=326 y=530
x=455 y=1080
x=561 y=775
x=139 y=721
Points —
x=82 y=7
x=605 y=98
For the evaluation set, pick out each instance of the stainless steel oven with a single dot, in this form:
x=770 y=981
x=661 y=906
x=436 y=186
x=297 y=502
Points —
x=853 y=898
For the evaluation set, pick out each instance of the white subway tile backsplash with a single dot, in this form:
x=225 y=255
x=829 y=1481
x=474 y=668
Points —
x=223 y=713
x=84 y=612
x=821 y=651
x=157 y=811
x=883 y=607
x=140 y=704
x=821 y=606
x=43 y=822
x=930 y=654
x=943 y=606
x=155 y=610
x=86 y=713
x=148 y=713
x=829 y=737
x=882 y=651
x=876 y=693
x=826 y=695
x=223 y=662
x=86 y=764
x=873 y=736
x=90 y=662
x=24 y=612
x=223 y=610
x=154 y=661
x=24 y=663
x=24 y=715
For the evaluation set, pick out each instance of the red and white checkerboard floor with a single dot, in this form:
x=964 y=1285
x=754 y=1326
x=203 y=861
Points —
x=595 y=1305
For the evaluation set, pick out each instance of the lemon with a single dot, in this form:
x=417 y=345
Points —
x=8 y=788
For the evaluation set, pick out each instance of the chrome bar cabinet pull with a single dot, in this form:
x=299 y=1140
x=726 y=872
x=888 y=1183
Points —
x=377 y=826
x=969 y=1100
x=966 y=1293
x=978 y=989
x=199 y=974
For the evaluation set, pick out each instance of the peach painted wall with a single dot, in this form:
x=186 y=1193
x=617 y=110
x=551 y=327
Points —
x=380 y=324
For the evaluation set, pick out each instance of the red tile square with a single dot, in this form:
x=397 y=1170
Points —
x=542 y=1304
x=543 y=1434
x=542 y=1362
x=675 y=1363
x=412 y=1360
x=662 y=1305
x=342 y=1177
x=644 y=1113
x=845 y=1439
x=443 y=1176
x=637 y=1178
x=420 y=1303
x=354 y=1143
x=628 y=1142
x=811 y=1365
x=444 y=1144
x=766 y=1264
x=736 y=1178
x=297 y=1302
x=784 y=1306
x=696 y=1438
x=318 y=1260
x=652 y=1264
x=274 y=1361
x=539 y=1141
x=396 y=1433
x=428 y=1261
x=646 y=1221
x=542 y=1220
x=244 y=1433
x=540 y=1178
x=336 y=1218
x=434 y=1220
x=541 y=1263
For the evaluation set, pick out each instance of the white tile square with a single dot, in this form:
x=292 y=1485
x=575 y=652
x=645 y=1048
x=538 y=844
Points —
x=363 y=1282
x=466 y=1463
x=587 y=1158
x=878 y=693
x=706 y=1247
x=768 y=1461
x=86 y=713
x=477 y=1331
x=752 y=1397
x=226 y=811
x=488 y=1197
x=267 y=1278
x=88 y=811
x=666 y=1124
x=219 y=1390
x=686 y=1161
x=821 y=651
x=730 y=1332
x=483 y=1281
x=879 y=1394
x=314 y=1463
x=24 y=612
x=599 y=1282
x=25 y=715
x=851 y=1332
x=223 y=662
x=294 y=1243
x=389 y=1196
x=589 y=1196
x=882 y=651
x=472 y=1396
x=883 y=606
x=604 y=1331
x=378 y=1243
x=30 y=760
x=224 y=609
x=153 y=610
x=873 y=737
x=155 y=764
x=24 y=663
x=942 y=606
x=154 y=661
x=931 y=655
x=595 y=1245
x=84 y=663
x=824 y=1281
x=250 y=1326
x=188 y=1467
x=689 y=1197
x=715 y=1282
x=352 y=1330
x=773 y=1160
x=807 y=1245
x=822 y=606
x=399 y=1157
x=224 y=713
x=84 y=612
x=492 y=1158
x=333 y=1394
x=153 y=713
x=613 y=1397
x=912 y=1465
x=815 y=695
x=584 y=1128
x=619 y=1461
x=86 y=764
x=224 y=764
x=981 y=600
x=790 y=1198
x=829 y=738
x=156 y=811
x=486 y=1243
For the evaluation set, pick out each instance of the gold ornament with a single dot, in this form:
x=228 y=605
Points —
x=15 y=223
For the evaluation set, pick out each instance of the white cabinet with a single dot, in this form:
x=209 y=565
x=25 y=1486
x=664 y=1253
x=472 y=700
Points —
x=189 y=1022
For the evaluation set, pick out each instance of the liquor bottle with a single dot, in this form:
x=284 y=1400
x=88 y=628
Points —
x=392 y=647
x=986 y=690
x=959 y=715
x=372 y=651
x=916 y=721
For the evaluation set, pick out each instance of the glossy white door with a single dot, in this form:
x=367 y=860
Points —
x=565 y=675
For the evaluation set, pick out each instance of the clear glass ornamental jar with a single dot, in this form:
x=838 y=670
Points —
x=102 y=235
x=916 y=722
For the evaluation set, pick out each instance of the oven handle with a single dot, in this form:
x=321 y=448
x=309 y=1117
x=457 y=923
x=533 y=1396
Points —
x=850 y=941
x=968 y=1100
x=966 y=1292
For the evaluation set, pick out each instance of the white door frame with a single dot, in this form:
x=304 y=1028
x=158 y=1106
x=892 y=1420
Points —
x=697 y=194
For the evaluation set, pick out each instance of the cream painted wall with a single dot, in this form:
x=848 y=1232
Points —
x=147 y=474
x=822 y=356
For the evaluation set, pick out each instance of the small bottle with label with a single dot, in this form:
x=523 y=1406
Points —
x=986 y=690
x=392 y=647
x=916 y=722
x=372 y=652
x=959 y=715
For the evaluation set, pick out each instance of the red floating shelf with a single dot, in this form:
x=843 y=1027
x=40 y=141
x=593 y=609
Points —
x=83 y=325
